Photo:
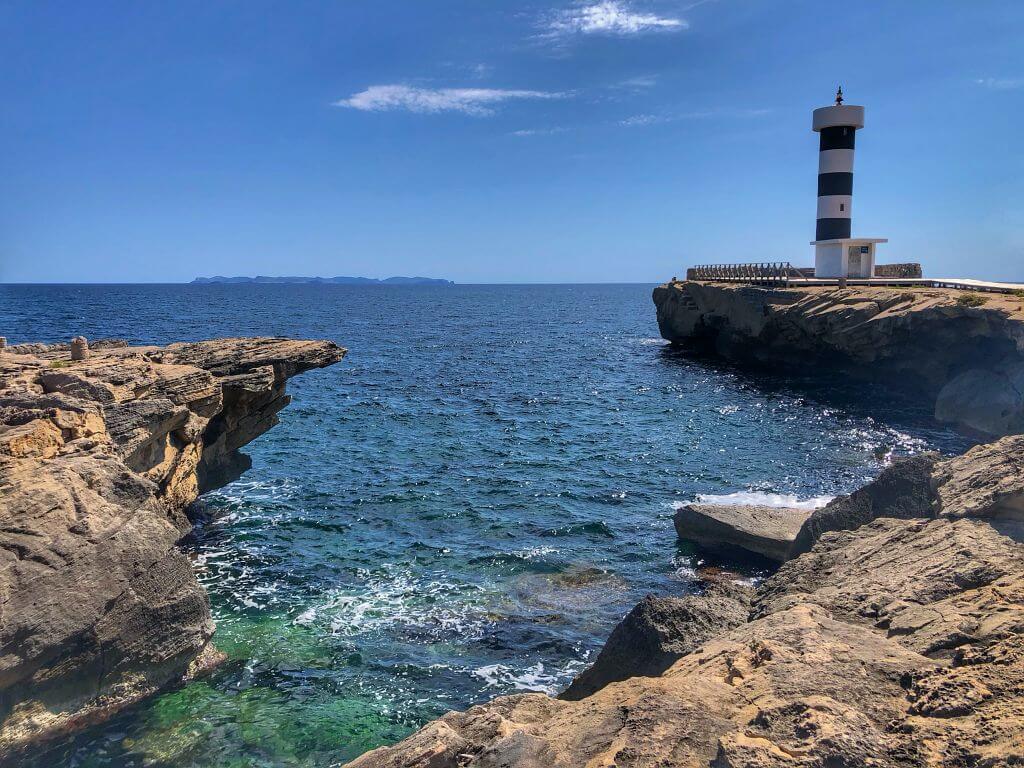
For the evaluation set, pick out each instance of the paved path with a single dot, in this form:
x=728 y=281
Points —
x=960 y=283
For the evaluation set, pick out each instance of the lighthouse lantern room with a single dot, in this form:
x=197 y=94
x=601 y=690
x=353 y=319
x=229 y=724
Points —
x=836 y=253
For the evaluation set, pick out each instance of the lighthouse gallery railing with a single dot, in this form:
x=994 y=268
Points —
x=765 y=273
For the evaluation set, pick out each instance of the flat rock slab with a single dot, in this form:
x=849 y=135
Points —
x=766 y=531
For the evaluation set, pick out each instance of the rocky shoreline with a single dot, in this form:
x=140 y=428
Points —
x=961 y=350
x=892 y=633
x=893 y=636
x=99 y=458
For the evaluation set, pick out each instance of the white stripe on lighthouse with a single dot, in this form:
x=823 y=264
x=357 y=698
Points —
x=834 y=206
x=835 y=161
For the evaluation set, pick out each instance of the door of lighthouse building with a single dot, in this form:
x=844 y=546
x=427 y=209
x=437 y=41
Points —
x=853 y=261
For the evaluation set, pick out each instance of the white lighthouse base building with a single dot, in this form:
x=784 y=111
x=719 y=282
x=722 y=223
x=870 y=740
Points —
x=846 y=256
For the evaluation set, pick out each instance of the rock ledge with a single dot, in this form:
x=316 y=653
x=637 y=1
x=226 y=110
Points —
x=967 y=360
x=765 y=531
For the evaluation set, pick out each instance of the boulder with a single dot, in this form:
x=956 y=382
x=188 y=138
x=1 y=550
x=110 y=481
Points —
x=986 y=481
x=904 y=489
x=987 y=401
x=765 y=531
x=930 y=585
x=794 y=683
x=657 y=632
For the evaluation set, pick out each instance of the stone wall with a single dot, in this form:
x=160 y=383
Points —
x=898 y=270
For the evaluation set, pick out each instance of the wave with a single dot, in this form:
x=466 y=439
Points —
x=757 y=498
x=396 y=597
x=592 y=528
x=535 y=678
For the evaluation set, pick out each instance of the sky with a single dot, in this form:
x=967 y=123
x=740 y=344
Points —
x=488 y=141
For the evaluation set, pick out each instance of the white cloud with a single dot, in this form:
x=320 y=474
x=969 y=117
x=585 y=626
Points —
x=470 y=101
x=636 y=121
x=639 y=83
x=608 y=17
x=1001 y=83
x=482 y=71
x=539 y=131
x=642 y=120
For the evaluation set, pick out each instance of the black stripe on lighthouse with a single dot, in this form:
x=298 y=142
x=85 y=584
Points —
x=835 y=182
x=837 y=137
x=832 y=229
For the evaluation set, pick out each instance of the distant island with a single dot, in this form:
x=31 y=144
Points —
x=324 y=280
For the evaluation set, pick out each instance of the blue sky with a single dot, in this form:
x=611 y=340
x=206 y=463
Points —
x=555 y=141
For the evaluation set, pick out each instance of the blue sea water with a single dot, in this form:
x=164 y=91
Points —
x=463 y=508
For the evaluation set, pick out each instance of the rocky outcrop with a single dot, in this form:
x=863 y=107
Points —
x=99 y=458
x=987 y=481
x=658 y=632
x=765 y=531
x=896 y=640
x=966 y=357
x=904 y=490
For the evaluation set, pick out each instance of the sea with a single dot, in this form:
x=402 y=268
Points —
x=463 y=508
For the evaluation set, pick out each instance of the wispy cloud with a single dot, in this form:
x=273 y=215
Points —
x=607 y=17
x=1001 y=83
x=643 y=120
x=638 y=121
x=539 y=131
x=482 y=71
x=639 y=83
x=470 y=101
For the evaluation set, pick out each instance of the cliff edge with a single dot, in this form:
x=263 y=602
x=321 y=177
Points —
x=963 y=350
x=98 y=460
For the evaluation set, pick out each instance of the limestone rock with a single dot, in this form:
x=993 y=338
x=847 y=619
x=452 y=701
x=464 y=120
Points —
x=932 y=585
x=969 y=361
x=657 y=632
x=766 y=531
x=98 y=459
x=987 y=481
x=984 y=400
x=747 y=691
x=904 y=490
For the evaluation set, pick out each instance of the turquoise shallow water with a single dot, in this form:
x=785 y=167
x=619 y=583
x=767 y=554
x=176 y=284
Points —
x=461 y=509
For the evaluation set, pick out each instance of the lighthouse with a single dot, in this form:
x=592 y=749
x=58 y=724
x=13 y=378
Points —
x=836 y=253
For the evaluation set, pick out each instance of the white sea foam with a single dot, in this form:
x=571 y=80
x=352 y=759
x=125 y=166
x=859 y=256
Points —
x=534 y=552
x=394 y=596
x=762 y=500
x=248 y=491
x=535 y=678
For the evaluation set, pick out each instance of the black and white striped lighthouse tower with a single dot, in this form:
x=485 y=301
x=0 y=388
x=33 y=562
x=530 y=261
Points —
x=837 y=254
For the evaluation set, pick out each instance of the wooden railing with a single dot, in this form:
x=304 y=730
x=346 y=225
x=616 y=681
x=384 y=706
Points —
x=765 y=273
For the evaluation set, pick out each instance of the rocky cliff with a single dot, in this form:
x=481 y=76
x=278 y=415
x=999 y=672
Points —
x=895 y=640
x=98 y=460
x=962 y=350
